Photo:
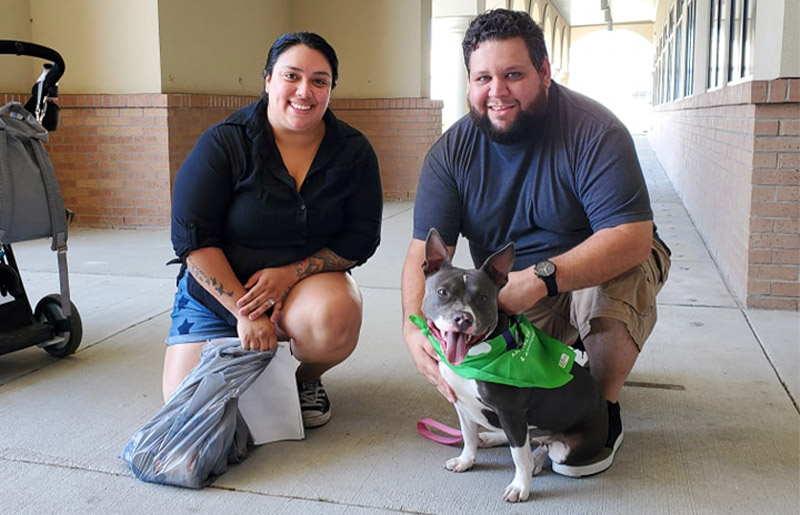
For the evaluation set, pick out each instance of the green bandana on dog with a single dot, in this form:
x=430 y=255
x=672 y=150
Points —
x=535 y=360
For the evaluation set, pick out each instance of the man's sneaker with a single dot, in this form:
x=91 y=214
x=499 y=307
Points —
x=314 y=403
x=605 y=458
x=581 y=356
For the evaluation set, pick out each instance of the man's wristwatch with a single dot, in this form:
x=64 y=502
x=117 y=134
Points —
x=546 y=271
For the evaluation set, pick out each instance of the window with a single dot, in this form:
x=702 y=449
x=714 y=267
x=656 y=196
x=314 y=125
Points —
x=688 y=55
x=716 y=48
x=673 y=70
x=741 y=31
x=677 y=62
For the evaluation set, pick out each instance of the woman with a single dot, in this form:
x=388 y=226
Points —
x=271 y=208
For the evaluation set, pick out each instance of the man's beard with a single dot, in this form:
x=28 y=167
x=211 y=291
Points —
x=525 y=125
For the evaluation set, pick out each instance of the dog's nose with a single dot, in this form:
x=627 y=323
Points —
x=463 y=321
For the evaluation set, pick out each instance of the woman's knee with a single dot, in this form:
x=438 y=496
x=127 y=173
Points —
x=335 y=324
x=325 y=316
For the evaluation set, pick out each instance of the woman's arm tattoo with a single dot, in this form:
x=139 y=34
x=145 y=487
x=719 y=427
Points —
x=323 y=261
x=203 y=277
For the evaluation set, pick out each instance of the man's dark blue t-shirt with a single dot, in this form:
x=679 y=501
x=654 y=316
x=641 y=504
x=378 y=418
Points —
x=575 y=175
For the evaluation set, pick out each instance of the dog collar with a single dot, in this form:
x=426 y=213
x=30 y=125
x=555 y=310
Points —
x=535 y=360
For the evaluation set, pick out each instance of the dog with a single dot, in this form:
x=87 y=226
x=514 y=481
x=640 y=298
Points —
x=569 y=422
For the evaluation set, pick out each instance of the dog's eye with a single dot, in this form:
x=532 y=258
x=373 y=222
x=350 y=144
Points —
x=441 y=292
x=482 y=299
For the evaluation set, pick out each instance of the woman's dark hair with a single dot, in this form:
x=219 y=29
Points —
x=309 y=39
x=502 y=24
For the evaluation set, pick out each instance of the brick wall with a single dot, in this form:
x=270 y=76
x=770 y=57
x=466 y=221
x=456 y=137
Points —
x=188 y=116
x=401 y=130
x=116 y=156
x=733 y=156
x=111 y=158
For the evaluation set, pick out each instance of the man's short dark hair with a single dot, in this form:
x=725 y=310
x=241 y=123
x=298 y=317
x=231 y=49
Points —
x=502 y=24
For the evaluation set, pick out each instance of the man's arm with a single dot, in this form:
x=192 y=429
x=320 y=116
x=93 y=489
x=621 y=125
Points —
x=606 y=254
x=413 y=289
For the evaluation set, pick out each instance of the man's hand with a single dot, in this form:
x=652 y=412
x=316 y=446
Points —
x=522 y=291
x=266 y=288
x=427 y=361
x=256 y=334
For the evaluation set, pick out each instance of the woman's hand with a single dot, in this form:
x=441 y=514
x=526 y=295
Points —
x=259 y=334
x=266 y=288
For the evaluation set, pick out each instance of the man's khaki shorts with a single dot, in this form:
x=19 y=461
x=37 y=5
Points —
x=629 y=298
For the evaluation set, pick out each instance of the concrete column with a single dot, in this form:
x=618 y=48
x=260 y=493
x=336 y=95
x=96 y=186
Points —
x=448 y=73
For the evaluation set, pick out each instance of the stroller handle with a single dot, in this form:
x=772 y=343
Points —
x=8 y=46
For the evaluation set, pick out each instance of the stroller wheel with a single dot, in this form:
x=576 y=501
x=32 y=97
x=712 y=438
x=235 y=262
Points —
x=48 y=311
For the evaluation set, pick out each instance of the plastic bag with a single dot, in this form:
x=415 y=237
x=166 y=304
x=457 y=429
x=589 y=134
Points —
x=191 y=440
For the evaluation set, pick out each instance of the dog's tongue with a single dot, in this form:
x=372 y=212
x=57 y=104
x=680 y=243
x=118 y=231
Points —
x=457 y=347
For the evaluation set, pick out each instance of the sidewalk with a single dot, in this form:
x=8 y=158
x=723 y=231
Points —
x=710 y=412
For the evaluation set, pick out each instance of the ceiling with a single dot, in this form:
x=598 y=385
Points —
x=589 y=12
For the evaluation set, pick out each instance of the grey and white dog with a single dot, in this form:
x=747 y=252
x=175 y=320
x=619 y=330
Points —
x=570 y=423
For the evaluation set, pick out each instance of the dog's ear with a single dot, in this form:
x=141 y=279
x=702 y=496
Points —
x=498 y=265
x=436 y=255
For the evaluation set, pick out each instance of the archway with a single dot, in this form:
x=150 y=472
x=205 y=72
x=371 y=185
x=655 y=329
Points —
x=614 y=67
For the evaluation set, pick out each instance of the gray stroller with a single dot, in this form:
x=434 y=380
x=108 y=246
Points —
x=31 y=207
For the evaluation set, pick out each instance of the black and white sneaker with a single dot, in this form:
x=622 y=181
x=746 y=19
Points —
x=605 y=458
x=314 y=403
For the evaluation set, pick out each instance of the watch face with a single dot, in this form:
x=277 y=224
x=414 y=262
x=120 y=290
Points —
x=545 y=268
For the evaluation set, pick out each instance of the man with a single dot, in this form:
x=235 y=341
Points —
x=557 y=173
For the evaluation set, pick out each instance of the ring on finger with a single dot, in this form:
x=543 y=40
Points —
x=271 y=302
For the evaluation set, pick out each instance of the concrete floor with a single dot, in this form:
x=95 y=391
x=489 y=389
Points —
x=710 y=413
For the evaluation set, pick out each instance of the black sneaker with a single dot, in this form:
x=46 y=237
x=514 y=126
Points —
x=314 y=403
x=605 y=458
x=581 y=356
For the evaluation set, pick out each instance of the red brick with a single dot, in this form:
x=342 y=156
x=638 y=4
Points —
x=787 y=226
x=794 y=90
x=758 y=287
x=785 y=289
x=788 y=193
x=774 y=272
x=778 y=209
x=765 y=127
x=773 y=241
x=771 y=302
x=777 y=144
x=761 y=225
x=777 y=91
x=778 y=177
x=762 y=193
x=786 y=257
x=789 y=128
x=788 y=160
x=777 y=111
x=759 y=256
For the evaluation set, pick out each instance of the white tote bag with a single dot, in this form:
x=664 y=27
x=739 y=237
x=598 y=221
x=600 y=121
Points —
x=271 y=406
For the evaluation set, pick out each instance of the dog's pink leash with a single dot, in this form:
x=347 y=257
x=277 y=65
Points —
x=425 y=425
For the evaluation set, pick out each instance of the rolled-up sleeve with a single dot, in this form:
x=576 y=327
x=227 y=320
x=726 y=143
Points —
x=361 y=232
x=201 y=196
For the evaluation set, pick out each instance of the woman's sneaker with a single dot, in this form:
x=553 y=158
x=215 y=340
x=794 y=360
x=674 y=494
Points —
x=605 y=458
x=314 y=403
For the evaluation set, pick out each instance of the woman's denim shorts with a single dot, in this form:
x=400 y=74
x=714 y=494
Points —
x=192 y=322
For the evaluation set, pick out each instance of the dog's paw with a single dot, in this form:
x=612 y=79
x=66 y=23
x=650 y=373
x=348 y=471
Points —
x=516 y=493
x=459 y=464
